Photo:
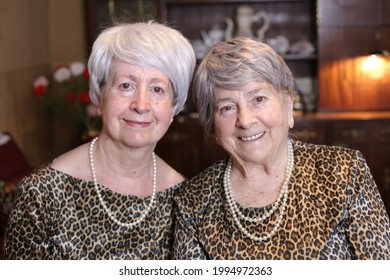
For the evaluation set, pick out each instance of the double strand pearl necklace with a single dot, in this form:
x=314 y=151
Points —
x=279 y=203
x=108 y=211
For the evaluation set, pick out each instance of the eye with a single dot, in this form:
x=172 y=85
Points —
x=259 y=99
x=225 y=109
x=158 y=90
x=125 y=86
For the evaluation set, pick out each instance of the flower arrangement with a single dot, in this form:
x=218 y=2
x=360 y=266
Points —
x=66 y=93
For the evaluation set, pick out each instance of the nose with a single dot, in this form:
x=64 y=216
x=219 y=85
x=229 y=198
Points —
x=140 y=101
x=245 y=118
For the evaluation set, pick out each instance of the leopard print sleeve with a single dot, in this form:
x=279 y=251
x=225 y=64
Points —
x=368 y=228
x=25 y=235
x=193 y=202
x=186 y=245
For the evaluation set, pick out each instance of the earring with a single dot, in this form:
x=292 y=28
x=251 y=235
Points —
x=291 y=122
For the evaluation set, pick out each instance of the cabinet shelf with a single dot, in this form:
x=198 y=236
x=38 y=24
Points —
x=299 y=57
x=295 y=20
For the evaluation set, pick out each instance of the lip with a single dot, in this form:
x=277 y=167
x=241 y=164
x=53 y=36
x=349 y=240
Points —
x=252 y=138
x=138 y=124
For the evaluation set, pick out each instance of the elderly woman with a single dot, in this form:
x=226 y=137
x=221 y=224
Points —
x=273 y=197
x=112 y=198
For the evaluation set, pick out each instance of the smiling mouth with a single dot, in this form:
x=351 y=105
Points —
x=251 y=138
x=137 y=123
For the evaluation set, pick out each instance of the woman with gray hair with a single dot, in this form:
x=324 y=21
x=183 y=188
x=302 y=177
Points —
x=272 y=197
x=112 y=198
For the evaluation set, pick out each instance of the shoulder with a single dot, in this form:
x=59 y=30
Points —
x=203 y=189
x=167 y=176
x=329 y=162
x=39 y=183
x=43 y=173
x=310 y=153
x=208 y=177
x=74 y=162
x=342 y=169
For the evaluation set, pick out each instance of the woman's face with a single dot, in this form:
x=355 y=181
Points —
x=136 y=106
x=252 y=123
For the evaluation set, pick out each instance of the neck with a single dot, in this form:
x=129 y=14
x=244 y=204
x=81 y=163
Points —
x=279 y=205
x=123 y=170
x=259 y=185
x=101 y=200
x=256 y=193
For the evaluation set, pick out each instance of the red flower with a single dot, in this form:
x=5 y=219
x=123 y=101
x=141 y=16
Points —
x=70 y=97
x=84 y=97
x=86 y=74
x=40 y=90
x=40 y=85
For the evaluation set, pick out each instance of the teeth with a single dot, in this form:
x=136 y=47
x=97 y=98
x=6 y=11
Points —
x=254 y=137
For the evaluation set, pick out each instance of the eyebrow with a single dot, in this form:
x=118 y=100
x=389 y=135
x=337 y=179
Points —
x=162 y=80
x=222 y=100
x=256 y=90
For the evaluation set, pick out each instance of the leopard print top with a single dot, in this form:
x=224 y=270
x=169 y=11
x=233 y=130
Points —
x=57 y=216
x=334 y=211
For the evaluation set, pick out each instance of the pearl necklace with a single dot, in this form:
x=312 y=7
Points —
x=108 y=211
x=237 y=215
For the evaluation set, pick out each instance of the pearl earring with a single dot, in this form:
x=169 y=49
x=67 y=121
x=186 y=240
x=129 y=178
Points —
x=291 y=122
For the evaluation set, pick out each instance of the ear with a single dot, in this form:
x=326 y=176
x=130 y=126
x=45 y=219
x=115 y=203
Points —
x=99 y=109
x=290 y=110
x=100 y=106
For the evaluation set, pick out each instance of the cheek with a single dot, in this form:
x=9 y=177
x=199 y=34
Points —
x=115 y=102
x=112 y=108
x=223 y=126
x=271 y=118
x=276 y=116
x=163 y=110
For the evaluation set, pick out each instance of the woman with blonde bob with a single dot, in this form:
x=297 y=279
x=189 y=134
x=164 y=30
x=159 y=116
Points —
x=112 y=198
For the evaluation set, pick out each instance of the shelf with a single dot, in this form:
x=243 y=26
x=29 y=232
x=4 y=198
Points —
x=299 y=57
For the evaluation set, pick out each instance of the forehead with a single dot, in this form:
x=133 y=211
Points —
x=120 y=67
x=245 y=90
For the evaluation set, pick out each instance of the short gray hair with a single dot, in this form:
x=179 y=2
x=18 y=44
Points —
x=232 y=64
x=148 y=44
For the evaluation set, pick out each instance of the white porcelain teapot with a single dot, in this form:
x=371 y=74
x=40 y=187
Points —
x=245 y=18
x=201 y=46
x=214 y=35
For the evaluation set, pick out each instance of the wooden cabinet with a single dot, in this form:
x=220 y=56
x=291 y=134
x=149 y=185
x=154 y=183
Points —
x=308 y=131
x=103 y=13
x=352 y=13
x=349 y=31
x=292 y=19
x=186 y=149
x=181 y=146
x=361 y=26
